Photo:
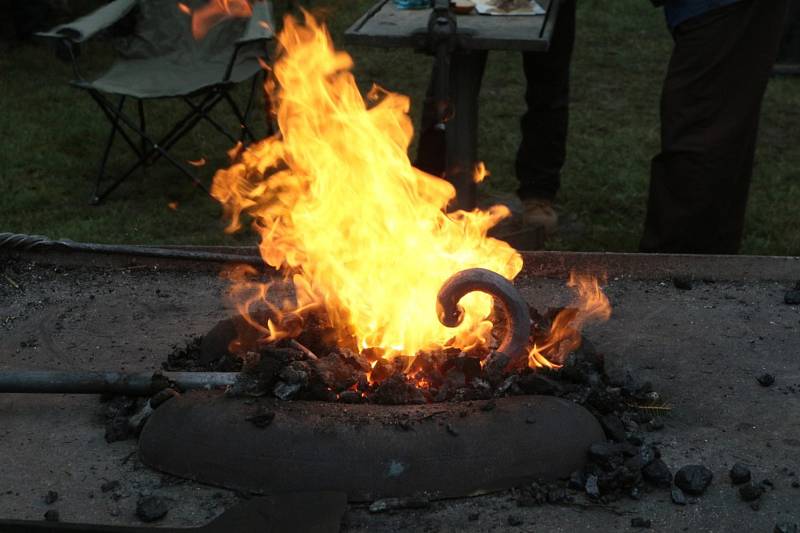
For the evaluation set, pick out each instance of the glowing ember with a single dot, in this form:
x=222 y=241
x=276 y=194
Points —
x=363 y=234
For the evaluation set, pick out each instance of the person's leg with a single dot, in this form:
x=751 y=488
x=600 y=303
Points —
x=542 y=151
x=709 y=117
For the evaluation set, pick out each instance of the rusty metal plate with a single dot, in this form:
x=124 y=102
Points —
x=369 y=451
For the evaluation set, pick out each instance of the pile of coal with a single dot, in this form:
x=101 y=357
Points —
x=313 y=365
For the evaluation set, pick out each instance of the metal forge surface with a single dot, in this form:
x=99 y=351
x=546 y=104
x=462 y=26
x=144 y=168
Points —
x=369 y=451
x=702 y=349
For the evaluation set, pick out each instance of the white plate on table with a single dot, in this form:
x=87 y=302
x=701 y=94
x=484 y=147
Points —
x=487 y=7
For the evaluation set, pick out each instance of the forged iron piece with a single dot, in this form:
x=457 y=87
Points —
x=312 y=512
x=369 y=451
x=22 y=242
x=127 y=383
x=518 y=318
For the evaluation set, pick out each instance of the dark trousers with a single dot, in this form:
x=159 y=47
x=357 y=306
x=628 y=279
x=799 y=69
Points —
x=542 y=151
x=710 y=108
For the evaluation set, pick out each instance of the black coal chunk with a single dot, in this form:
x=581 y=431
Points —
x=151 y=508
x=750 y=492
x=333 y=372
x=538 y=383
x=739 y=474
x=605 y=453
x=678 y=498
x=495 y=366
x=469 y=366
x=397 y=391
x=642 y=523
x=351 y=396
x=52 y=516
x=694 y=479
x=657 y=473
x=386 y=368
x=613 y=426
x=765 y=380
x=605 y=401
x=356 y=360
x=51 y=497
x=792 y=297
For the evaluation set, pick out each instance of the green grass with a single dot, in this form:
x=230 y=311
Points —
x=51 y=136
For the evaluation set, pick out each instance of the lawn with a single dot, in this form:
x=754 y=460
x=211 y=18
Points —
x=51 y=136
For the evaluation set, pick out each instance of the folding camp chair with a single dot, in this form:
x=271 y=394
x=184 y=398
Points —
x=161 y=58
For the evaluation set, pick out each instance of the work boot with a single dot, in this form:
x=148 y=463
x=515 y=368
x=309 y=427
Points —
x=510 y=224
x=512 y=229
x=540 y=213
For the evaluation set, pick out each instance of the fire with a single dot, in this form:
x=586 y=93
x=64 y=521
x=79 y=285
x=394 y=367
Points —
x=360 y=232
x=214 y=12
x=338 y=204
x=565 y=331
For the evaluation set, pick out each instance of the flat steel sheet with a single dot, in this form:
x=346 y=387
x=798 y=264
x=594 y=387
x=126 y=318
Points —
x=386 y=26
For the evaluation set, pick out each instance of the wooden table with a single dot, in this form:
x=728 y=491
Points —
x=385 y=26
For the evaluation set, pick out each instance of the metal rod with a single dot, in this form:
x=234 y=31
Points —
x=128 y=383
x=18 y=241
x=515 y=341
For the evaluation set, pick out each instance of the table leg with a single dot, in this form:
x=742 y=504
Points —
x=466 y=72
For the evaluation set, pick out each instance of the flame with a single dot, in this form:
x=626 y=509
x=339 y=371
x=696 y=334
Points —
x=565 y=331
x=214 y=12
x=339 y=207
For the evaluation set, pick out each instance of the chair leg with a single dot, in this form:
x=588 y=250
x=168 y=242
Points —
x=159 y=148
x=242 y=116
x=204 y=114
x=106 y=151
x=246 y=115
x=143 y=127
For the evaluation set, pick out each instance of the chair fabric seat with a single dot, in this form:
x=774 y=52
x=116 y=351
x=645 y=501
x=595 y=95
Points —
x=170 y=76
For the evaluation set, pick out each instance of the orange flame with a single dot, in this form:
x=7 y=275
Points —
x=339 y=206
x=565 y=331
x=214 y=12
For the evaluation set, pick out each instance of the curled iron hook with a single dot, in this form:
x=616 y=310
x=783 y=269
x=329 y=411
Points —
x=518 y=318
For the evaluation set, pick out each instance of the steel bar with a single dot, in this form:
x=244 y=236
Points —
x=515 y=341
x=128 y=383
x=16 y=241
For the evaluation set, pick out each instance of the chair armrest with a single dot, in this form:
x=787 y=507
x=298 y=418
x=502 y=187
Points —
x=87 y=26
x=261 y=25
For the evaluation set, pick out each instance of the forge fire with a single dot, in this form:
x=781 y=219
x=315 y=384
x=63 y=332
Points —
x=366 y=241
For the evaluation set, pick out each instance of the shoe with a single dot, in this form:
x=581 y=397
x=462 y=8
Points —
x=510 y=224
x=540 y=213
